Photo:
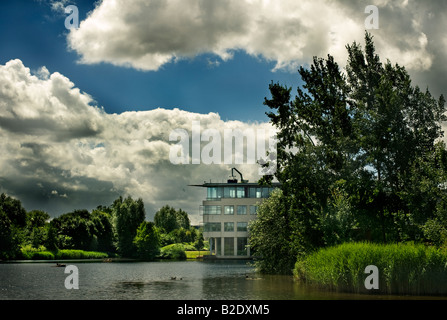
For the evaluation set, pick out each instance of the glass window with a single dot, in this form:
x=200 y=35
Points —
x=214 y=193
x=252 y=192
x=229 y=246
x=229 y=192
x=242 y=246
x=242 y=226
x=229 y=226
x=240 y=192
x=212 y=227
x=241 y=209
x=212 y=210
x=211 y=193
x=253 y=209
x=229 y=209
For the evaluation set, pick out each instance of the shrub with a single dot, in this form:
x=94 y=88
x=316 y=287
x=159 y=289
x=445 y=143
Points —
x=79 y=254
x=174 y=251
x=28 y=252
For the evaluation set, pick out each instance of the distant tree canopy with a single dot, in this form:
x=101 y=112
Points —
x=119 y=228
x=169 y=219
x=359 y=155
x=82 y=230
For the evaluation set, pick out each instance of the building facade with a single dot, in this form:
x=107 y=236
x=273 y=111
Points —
x=227 y=211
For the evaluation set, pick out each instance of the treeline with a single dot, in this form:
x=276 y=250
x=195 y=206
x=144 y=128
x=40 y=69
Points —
x=117 y=230
x=360 y=158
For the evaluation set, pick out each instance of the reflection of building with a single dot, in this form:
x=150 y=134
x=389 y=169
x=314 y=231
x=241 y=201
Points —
x=227 y=211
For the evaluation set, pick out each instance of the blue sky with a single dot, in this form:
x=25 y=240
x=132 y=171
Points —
x=86 y=114
x=235 y=89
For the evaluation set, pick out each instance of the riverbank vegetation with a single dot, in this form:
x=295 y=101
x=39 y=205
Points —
x=30 y=253
x=360 y=157
x=404 y=268
x=118 y=230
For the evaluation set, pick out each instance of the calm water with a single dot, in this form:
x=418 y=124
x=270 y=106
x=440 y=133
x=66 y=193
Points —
x=217 y=280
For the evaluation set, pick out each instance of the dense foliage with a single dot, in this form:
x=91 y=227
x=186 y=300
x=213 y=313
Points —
x=119 y=229
x=359 y=157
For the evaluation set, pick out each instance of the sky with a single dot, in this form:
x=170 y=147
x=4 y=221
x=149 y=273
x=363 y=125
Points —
x=86 y=113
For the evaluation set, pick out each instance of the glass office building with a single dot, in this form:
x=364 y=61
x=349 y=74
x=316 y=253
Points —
x=227 y=211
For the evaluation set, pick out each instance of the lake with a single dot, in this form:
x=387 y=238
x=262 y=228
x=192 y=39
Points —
x=194 y=280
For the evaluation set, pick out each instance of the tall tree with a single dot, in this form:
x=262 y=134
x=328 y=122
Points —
x=75 y=230
x=12 y=221
x=169 y=219
x=147 y=241
x=36 y=230
x=103 y=230
x=363 y=130
x=128 y=214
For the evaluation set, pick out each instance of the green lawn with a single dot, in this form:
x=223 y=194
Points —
x=196 y=254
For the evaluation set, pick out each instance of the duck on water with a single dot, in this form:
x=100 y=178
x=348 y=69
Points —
x=60 y=265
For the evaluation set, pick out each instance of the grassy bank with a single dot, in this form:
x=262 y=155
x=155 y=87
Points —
x=179 y=251
x=196 y=254
x=403 y=268
x=34 y=254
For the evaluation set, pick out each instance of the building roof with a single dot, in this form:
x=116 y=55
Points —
x=234 y=184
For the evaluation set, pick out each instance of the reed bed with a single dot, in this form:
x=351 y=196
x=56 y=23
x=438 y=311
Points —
x=412 y=269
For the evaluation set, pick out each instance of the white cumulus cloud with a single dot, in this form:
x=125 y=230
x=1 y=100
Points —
x=147 y=34
x=62 y=152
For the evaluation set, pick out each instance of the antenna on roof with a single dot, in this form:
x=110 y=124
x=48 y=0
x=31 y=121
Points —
x=234 y=180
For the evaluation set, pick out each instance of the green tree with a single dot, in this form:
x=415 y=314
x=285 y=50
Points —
x=75 y=230
x=270 y=237
x=339 y=223
x=147 y=241
x=182 y=219
x=168 y=219
x=51 y=241
x=103 y=230
x=368 y=127
x=199 y=243
x=128 y=214
x=14 y=210
x=9 y=237
x=12 y=223
x=36 y=227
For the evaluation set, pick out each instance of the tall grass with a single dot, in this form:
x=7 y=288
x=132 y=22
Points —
x=403 y=268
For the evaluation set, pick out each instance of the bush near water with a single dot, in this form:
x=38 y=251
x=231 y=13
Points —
x=118 y=230
x=30 y=253
x=403 y=268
